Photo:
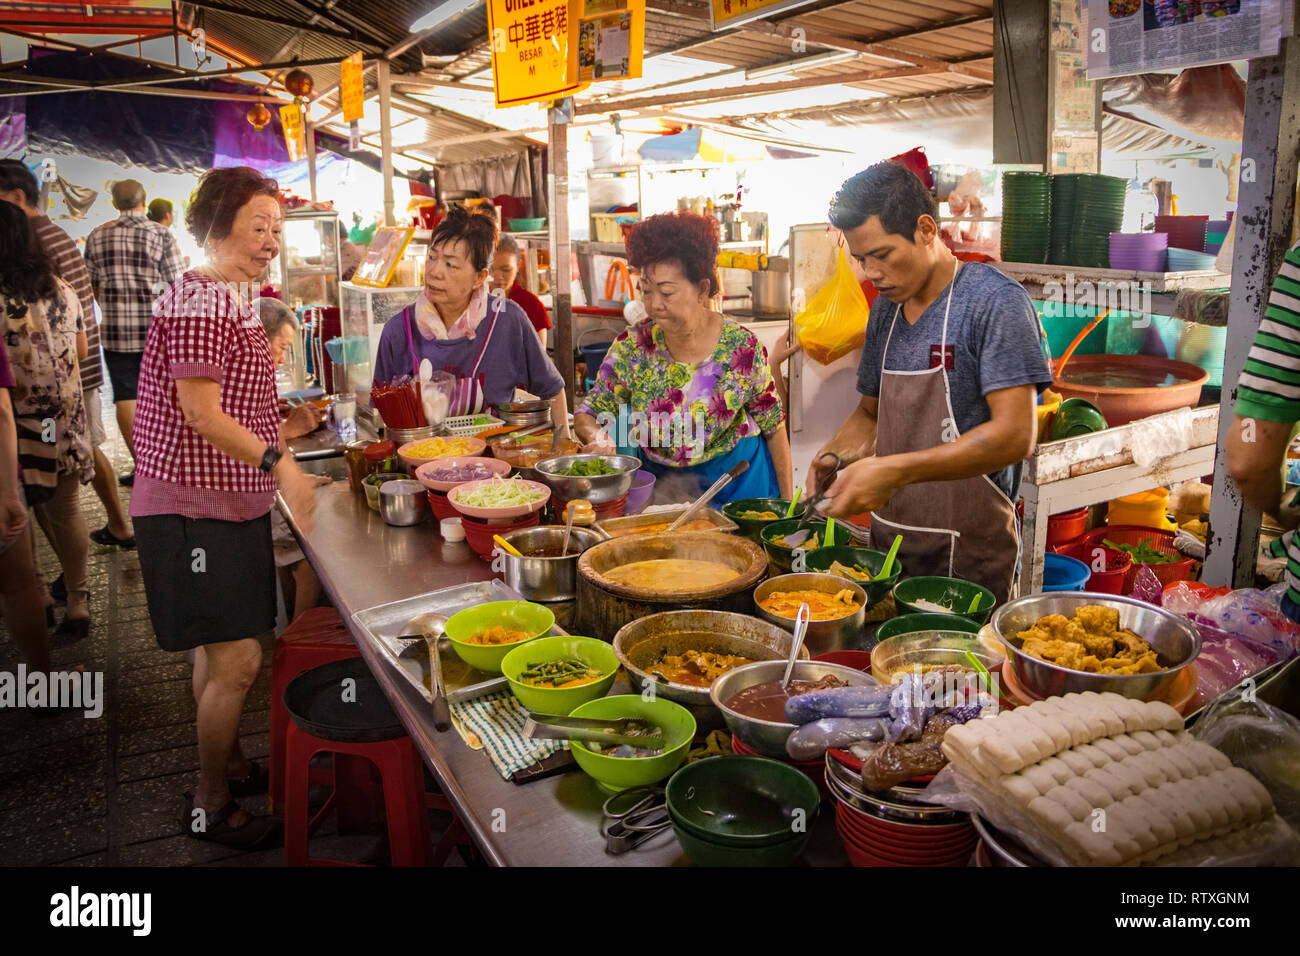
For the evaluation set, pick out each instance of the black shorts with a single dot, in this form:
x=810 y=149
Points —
x=123 y=373
x=207 y=581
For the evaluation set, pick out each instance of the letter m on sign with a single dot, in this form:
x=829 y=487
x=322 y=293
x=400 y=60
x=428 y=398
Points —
x=532 y=70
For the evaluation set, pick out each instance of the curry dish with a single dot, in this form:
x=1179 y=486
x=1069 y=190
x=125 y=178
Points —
x=673 y=574
x=696 y=668
x=822 y=605
x=699 y=524
x=498 y=635
x=1091 y=641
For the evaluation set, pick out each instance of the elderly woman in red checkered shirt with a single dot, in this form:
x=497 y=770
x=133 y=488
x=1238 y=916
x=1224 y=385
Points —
x=208 y=460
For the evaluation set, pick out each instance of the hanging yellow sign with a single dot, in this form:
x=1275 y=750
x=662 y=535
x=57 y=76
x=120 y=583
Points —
x=531 y=52
x=609 y=42
x=352 y=88
x=725 y=14
x=295 y=137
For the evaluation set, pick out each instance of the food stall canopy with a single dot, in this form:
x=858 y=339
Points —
x=706 y=145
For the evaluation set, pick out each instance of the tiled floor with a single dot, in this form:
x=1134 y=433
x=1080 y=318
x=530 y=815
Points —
x=88 y=792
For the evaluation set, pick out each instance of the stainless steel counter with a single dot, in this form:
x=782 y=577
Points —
x=363 y=562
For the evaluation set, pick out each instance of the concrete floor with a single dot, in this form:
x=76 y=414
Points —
x=89 y=792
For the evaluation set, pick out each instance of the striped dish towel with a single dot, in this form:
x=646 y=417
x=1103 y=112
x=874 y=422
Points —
x=497 y=720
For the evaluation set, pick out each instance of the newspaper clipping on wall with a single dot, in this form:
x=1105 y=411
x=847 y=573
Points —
x=1139 y=36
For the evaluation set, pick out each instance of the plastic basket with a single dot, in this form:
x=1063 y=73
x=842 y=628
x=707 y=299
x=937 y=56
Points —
x=1162 y=541
x=463 y=426
x=1110 y=581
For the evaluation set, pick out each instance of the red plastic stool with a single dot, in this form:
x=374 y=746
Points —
x=316 y=636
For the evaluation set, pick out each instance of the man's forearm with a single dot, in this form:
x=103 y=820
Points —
x=980 y=451
x=855 y=439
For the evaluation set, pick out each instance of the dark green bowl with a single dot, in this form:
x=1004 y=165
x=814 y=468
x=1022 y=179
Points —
x=752 y=527
x=779 y=556
x=911 y=623
x=952 y=593
x=822 y=559
x=742 y=803
x=705 y=853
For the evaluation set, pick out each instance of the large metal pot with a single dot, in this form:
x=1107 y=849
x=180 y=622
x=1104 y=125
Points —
x=840 y=634
x=598 y=489
x=644 y=643
x=770 y=290
x=605 y=606
x=1174 y=640
x=545 y=579
x=768 y=737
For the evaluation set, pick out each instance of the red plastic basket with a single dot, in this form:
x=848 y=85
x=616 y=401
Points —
x=1118 y=564
x=1066 y=528
x=1160 y=540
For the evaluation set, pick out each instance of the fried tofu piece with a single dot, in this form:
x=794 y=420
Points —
x=1097 y=619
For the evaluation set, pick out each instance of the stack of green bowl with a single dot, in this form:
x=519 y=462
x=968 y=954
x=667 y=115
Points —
x=1064 y=189
x=1026 y=216
x=1098 y=211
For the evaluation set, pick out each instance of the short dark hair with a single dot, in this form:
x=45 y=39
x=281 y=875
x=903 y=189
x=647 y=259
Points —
x=221 y=194
x=14 y=174
x=477 y=229
x=26 y=272
x=508 y=245
x=891 y=192
x=127 y=194
x=159 y=209
x=687 y=238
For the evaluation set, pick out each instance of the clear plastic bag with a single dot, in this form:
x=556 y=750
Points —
x=435 y=396
x=834 y=322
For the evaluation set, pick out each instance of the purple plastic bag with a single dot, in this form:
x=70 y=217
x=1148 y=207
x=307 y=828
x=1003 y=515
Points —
x=1146 y=586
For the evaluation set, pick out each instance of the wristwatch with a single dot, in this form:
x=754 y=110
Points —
x=269 y=459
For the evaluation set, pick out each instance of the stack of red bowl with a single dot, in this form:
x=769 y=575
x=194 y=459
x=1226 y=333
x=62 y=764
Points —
x=895 y=828
x=442 y=508
x=479 y=533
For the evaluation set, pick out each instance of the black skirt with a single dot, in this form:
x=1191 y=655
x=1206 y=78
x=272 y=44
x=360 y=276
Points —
x=207 y=581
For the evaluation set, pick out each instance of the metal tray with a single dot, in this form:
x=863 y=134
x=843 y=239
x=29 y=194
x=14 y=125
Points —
x=720 y=521
x=386 y=622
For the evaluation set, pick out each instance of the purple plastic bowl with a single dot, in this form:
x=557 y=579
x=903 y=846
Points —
x=638 y=496
x=1138 y=251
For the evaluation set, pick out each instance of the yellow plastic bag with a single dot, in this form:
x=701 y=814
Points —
x=835 y=320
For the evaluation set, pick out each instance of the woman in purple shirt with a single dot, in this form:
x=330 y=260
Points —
x=484 y=341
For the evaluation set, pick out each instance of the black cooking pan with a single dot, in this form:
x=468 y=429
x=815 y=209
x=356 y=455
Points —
x=342 y=701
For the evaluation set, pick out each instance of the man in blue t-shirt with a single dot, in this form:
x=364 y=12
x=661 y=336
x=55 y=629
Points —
x=949 y=377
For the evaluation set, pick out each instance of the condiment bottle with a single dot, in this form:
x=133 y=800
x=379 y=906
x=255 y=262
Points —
x=354 y=455
x=380 y=457
x=584 y=515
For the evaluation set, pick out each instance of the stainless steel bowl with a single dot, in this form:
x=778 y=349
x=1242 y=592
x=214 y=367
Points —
x=1174 y=640
x=597 y=490
x=641 y=644
x=403 y=502
x=400 y=436
x=766 y=736
x=546 y=579
x=843 y=633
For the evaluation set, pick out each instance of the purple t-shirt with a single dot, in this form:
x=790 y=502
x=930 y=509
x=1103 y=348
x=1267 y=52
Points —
x=514 y=356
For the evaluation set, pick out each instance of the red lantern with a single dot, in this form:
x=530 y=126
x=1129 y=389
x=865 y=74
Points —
x=299 y=83
x=258 y=116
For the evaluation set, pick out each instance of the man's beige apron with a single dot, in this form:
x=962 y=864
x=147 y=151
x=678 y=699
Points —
x=964 y=528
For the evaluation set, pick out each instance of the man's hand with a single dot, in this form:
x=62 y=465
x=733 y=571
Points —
x=865 y=485
x=302 y=420
x=299 y=491
x=13 y=517
x=816 y=471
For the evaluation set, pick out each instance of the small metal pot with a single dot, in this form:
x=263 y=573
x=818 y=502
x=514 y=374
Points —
x=403 y=502
x=840 y=634
x=771 y=293
x=546 y=579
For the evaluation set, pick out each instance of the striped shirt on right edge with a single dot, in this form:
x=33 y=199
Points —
x=1269 y=387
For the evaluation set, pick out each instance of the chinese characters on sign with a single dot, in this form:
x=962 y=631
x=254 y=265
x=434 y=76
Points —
x=725 y=14
x=352 y=88
x=609 y=43
x=530 y=50
x=295 y=139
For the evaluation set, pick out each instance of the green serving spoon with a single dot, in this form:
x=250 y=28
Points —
x=794 y=503
x=888 y=566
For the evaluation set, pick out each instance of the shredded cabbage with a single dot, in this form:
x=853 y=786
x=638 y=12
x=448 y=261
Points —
x=500 y=493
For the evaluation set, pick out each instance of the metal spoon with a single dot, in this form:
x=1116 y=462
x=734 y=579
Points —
x=430 y=627
x=708 y=496
x=569 y=511
x=800 y=631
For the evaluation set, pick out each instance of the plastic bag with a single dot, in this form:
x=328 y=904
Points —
x=834 y=322
x=435 y=396
x=1146 y=586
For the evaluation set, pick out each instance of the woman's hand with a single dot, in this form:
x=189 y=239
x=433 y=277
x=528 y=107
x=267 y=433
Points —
x=298 y=490
x=13 y=516
x=782 y=351
x=600 y=444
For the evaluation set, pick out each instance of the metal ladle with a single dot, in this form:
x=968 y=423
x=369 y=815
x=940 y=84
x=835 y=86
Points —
x=800 y=631
x=431 y=627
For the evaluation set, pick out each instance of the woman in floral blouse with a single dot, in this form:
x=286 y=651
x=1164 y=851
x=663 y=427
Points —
x=696 y=386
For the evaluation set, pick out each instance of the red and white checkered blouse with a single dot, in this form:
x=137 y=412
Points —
x=202 y=329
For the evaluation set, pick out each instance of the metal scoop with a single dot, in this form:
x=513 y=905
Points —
x=430 y=627
x=804 y=530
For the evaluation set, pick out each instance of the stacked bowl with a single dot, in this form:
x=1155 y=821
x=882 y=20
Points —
x=1188 y=260
x=1098 y=211
x=1185 y=232
x=1216 y=232
x=1064 y=189
x=1138 y=251
x=895 y=828
x=1026 y=216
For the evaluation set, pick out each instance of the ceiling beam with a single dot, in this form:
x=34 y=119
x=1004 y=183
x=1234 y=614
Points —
x=218 y=7
x=184 y=94
x=884 y=51
x=758 y=89
x=144 y=39
x=341 y=19
x=266 y=68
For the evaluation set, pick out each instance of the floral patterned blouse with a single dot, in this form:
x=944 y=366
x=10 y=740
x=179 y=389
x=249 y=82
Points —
x=41 y=341
x=711 y=404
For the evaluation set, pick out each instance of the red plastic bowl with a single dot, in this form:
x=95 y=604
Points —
x=865 y=857
x=858 y=660
x=893 y=837
x=1118 y=563
x=1066 y=527
x=815 y=770
x=1159 y=538
x=479 y=533
x=609 y=509
x=442 y=508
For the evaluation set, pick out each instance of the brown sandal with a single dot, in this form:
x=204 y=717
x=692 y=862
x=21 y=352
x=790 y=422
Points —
x=258 y=833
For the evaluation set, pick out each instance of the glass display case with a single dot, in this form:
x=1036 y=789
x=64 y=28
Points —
x=364 y=312
x=308 y=264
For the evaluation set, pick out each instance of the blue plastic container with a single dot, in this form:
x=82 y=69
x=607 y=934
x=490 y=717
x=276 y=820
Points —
x=1062 y=573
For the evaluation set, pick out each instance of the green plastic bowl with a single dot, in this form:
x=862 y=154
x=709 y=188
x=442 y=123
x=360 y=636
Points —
x=911 y=623
x=514 y=615
x=620 y=773
x=778 y=555
x=560 y=700
x=743 y=802
x=953 y=593
x=752 y=527
x=706 y=853
x=822 y=559
x=1075 y=417
x=527 y=225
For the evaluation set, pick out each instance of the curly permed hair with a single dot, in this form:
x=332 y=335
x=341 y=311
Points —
x=689 y=239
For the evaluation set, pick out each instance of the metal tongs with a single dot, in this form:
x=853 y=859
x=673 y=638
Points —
x=709 y=495
x=804 y=530
x=616 y=732
x=645 y=817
